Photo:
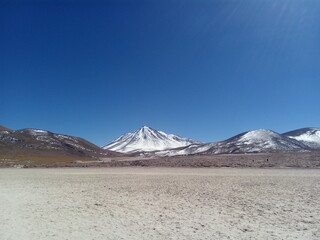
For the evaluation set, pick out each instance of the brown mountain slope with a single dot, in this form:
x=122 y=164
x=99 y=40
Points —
x=33 y=146
x=2 y=128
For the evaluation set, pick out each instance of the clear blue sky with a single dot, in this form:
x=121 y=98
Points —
x=201 y=69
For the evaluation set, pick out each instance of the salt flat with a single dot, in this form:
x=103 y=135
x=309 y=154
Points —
x=159 y=203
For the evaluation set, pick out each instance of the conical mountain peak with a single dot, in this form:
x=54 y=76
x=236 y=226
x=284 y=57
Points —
x=145 y=128
x=147 y=139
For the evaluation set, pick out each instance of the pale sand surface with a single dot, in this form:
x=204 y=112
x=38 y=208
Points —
x=159 y=203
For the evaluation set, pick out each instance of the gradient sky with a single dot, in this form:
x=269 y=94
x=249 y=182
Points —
x=201 y=69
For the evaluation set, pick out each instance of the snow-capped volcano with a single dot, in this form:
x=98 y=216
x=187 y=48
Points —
x=308 y=136
x=147 y=139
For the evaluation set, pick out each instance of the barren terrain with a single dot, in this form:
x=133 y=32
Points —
x=252 y=160
x=159 y=203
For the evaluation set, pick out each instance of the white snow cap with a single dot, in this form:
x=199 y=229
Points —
x=147 y=139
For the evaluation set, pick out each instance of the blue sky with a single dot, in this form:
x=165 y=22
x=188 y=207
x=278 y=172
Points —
x=201 y=69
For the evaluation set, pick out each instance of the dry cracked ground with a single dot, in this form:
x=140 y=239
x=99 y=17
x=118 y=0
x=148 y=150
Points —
x=159 y=203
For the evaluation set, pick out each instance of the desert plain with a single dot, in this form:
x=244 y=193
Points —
x=159 y=203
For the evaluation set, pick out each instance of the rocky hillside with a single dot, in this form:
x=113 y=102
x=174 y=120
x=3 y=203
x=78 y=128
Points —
x=35 y=143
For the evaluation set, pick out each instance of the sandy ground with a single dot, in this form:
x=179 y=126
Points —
x=159 y=203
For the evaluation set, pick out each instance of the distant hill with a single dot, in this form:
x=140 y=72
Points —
x=40 y=145
x=308 y=136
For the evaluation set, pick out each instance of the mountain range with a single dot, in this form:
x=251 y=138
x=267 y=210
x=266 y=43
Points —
x=152 y=142
x=31 y=143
